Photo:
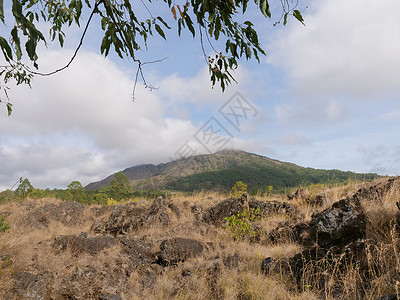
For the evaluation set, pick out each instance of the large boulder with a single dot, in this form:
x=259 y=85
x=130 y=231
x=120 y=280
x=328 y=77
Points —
x=298 y=233
x=342 y=224
x=137 y=250
x=123 y=219
x=337 y=235
x=129 y=217
x=29 y=286
x=177 y=250
x=216 y=214
x=83 y=244
x=68 y=213
x=377 y=191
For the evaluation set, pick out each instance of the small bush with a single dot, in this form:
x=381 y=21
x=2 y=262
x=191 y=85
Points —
x=241 y=226
x=4 y=226
x=239 y=188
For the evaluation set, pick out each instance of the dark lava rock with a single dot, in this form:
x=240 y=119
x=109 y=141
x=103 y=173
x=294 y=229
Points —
x=212 y=275
x=273 y=207
x=110 y=297
x=67 y=212
x=389 y=297
x=29 y=286
x=175 y=209
x=377 y=191
x=177 y=250
x=339 y=235
x=268 y=265
x=317 y=200
x=79 y=244
x=299 y=193
x=343 y=223
x=299 y=233
x=139 y=252
x=99 y=211
x=122 y=219
x=126 y=218
x=157 y=213
x=232 y=261
x=216 y=214
x=296 y=264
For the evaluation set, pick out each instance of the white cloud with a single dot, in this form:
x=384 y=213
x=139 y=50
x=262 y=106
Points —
x=81 y=121
x=346 y=48
x=310 y=113
x=197 y=90
x=81 y=124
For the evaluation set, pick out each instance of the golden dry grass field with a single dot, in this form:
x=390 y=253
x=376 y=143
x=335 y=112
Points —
x=64 y=250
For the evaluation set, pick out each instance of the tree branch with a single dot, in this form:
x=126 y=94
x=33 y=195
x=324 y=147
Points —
x=76 y=50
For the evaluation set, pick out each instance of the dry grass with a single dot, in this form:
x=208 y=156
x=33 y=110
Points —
x=207 y=276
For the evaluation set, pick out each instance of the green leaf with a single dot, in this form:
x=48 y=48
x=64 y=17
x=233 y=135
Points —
x=179 y=27
x=9 y=108
x=160 y=31
x=245 y=6
x=17 y=10
x=189 y=24
x=61 y=39
x=264 y=6
x=5 y=48
x=218 y=27
x=164 y=23
x=30 y=47
x=248 y=52
x=211 y=17
x=105 y=44
x=285 y=19
x=1 y=11
x=298 y=16
x=17 y=41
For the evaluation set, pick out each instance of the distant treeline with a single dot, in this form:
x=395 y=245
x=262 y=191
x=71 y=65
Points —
x=281 y=178
x=118 y=190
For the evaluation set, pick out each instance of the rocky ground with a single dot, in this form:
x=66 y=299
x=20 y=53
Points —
x=337 y=243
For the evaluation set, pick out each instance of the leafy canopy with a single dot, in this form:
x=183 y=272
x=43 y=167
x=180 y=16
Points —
x=126 y=32
x=24 y=189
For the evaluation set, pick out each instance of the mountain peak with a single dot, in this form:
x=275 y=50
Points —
x=221 y=170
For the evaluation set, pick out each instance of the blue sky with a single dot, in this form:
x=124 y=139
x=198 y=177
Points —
x=325 y=96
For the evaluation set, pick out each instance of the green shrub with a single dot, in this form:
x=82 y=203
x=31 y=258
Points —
x=4 y=226
x=241 y=226
x=239 y=188
x=7 y=196
x=269 y=190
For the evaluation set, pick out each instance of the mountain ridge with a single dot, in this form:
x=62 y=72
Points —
x=221 y=170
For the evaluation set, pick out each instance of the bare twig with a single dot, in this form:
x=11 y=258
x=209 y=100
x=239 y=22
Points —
x=76 y=50
x=140 y=71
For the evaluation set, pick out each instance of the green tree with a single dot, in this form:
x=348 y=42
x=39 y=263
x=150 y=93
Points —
x=37 y=193
x=239 y=188
x=99 y=198
x=24 y=189
x=127 y=31
x=120 y=186
x=76 y=191
x=7 y=196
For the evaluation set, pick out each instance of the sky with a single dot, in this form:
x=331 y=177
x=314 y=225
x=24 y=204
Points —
x=326 y=95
